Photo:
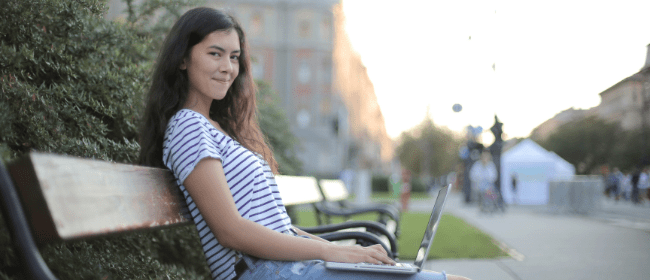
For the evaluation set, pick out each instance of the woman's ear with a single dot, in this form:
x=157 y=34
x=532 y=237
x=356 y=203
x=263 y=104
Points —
x=183 y=66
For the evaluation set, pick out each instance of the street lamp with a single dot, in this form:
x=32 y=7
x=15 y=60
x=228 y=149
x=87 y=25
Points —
x=497 y=130
x=469 y=153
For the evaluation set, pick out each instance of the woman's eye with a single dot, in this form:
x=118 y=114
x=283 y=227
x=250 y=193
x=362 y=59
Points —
x=234 y=57
x=215 y=54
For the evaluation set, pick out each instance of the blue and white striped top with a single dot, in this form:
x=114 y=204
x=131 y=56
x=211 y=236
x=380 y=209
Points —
x=189 y=138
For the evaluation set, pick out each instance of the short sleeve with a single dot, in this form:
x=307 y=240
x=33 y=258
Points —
x=188 y=141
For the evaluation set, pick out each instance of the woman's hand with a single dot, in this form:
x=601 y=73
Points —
x=356 y=254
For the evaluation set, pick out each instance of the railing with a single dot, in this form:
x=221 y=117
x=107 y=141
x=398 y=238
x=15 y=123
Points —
x=581 y=195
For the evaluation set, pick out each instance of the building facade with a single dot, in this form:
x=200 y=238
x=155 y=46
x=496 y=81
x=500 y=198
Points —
x=627 y=103
x=291 y=48
x=371 y=147
x=301 y=49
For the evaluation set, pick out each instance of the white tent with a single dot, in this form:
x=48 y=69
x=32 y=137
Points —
x=534 y=167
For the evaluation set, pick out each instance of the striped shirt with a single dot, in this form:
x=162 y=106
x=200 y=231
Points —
x=189 y=138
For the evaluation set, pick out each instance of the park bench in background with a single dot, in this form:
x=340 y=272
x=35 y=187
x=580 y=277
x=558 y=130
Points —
x=303 y=190
x=50 y=198
x=337 y=203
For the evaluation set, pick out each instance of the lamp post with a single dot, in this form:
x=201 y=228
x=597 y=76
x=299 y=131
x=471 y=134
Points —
x=470 y=153
x=495 y=149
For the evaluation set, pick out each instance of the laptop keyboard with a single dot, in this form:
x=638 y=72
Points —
x=385 y=264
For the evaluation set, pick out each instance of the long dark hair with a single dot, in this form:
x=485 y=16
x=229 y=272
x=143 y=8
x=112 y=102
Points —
x=236 y=113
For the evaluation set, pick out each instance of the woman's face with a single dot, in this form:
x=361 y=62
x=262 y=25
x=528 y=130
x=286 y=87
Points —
x=212 y=66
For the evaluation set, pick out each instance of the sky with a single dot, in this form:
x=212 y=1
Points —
x=548 y=56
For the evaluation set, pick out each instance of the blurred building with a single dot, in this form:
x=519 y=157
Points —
x=626 y=102
x=544 y=130
x=371 y=147
x=301 y=49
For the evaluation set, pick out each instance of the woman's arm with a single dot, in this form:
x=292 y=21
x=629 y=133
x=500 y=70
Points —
x=302 y=232
x=209 y=189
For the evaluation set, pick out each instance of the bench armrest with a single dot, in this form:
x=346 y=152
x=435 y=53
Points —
x=382 y=210
x=389 y=207
x=338 y=211
x=370 y=226
x=26 y=249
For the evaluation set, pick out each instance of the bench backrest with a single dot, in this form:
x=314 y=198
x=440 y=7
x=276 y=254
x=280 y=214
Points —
x=334 y=190
x=297 y=190
x=68 y=198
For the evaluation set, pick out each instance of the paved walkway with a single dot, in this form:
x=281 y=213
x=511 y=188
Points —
x=613 y=243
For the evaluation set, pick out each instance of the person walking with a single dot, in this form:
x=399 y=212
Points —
x=625 y=186
x=405 y=194
x=514 y=178
x=483 y=174
x=612 y=181
x=634 y=182
x=644 y=184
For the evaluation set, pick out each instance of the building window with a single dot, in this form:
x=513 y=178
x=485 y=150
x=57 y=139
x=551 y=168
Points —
x=256 y=26
x=304 y=29
x=327 y=71
x=326 y=28
x=304 y=73
x=257 y=65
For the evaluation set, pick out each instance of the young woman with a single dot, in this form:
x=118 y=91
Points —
x=200 y=122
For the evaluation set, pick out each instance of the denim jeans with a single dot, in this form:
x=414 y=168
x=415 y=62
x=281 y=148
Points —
x=315 y=269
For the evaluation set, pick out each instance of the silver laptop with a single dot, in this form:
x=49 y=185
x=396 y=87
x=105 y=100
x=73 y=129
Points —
x=423 y=252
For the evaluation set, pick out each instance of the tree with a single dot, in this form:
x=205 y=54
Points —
x=428 y=149
x=72 y=83
x=633 y=151
x=586 y=143
x=275 y=126
x=154 y=18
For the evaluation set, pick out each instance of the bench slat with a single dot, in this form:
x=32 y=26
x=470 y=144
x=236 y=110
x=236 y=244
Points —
x=334 y=190
x=297 y=190
x=69 y=198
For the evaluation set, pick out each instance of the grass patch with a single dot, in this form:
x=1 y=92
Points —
x=387 y=196
x=455 y=238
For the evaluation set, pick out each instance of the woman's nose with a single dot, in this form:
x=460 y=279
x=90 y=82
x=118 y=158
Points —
x=225 y=66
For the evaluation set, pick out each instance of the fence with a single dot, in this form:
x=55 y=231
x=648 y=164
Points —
x=581 y=195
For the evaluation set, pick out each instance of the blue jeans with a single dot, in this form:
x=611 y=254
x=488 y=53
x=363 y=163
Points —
x=315 y=269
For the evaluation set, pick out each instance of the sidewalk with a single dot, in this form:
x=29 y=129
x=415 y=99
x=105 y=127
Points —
x=611 y=244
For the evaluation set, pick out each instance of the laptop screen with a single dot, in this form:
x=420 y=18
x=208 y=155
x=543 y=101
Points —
x=430 y=231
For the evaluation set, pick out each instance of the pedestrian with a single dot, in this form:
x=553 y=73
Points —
x=634 y=182
x=405 y=194
x=625 y=186
x=200 y=122
x=612 y=181
x=644 y=184
x=483 y=174
x=514 y=178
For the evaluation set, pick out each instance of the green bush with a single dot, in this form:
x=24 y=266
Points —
x=380 y=183
x=72 y=83
x=70 y=80
x=417 y=185
x=275 y=126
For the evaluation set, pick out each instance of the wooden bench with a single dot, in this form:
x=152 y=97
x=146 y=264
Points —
x=55 y=198
x=52 y=198
x=337 y=204
x=304 y=190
